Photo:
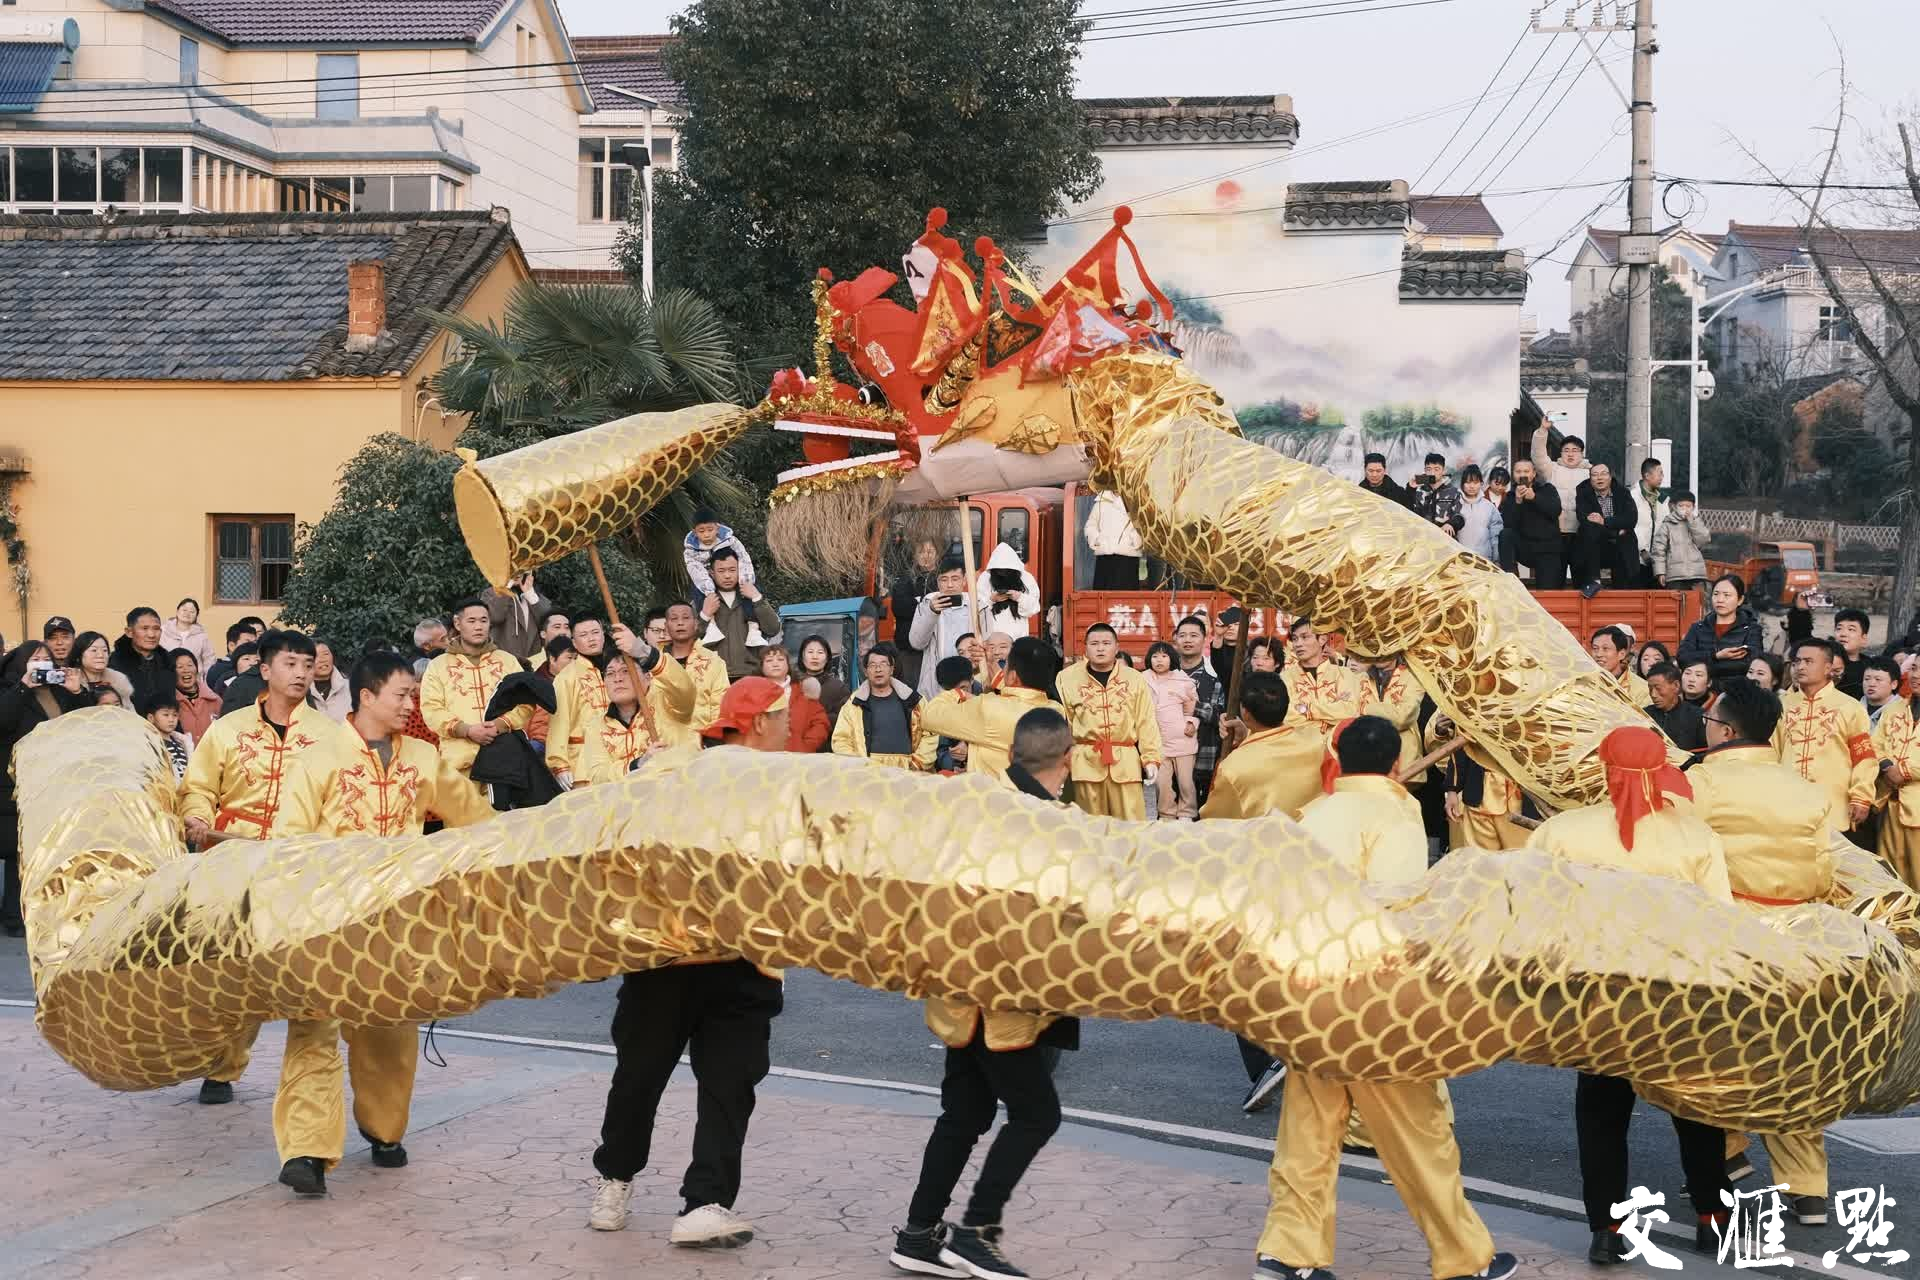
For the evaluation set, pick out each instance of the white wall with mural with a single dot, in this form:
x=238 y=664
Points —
x=1305 y=331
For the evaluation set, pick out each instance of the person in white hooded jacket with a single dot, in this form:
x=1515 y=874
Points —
x=1115 y=544
x=1012 y=596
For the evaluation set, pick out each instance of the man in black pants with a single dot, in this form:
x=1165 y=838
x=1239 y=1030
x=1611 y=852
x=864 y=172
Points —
x=991 y=1058
x=722 y=1014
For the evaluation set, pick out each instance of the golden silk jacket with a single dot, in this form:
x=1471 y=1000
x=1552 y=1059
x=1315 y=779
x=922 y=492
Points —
x=1672 y=842
x=1328 y=694
x=612 y=747
x=1273 y=771
x=850 y=730
x=985 y=723
x=683 y=709
x=236 y=778
x=1399 y=703
x=1372 y=826
x=1116 y=734
x=1896 y=739
x=579 y=698
x=340 y=788
x=454 y=693
x=1826 y=739
x=1771 y=822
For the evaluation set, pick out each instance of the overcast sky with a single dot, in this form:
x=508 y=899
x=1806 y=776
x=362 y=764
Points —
x=1760 y=72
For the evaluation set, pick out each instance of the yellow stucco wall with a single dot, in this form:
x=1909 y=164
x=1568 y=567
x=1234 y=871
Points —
x=126 y=476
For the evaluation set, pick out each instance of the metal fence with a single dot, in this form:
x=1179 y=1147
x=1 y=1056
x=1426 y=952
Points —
x=1831 y=535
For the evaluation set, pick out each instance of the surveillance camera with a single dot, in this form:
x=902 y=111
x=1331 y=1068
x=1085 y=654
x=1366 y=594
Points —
x=1703 y=384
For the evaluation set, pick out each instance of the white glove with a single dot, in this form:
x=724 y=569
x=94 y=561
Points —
x=565 y=779
x=1153 y=775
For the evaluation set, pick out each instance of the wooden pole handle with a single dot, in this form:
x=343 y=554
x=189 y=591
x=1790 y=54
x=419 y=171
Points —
x=1435 y=756
x=1239 y=662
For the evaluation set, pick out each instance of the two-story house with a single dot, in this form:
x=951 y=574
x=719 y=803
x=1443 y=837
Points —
x=241 y=106
x=1790 y=324
x=1447 y=223
x=1597 y=272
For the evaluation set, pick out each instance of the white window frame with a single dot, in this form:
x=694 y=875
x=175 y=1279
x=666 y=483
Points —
x=8 y=145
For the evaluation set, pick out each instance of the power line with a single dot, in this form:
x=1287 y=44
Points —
x=1435 y=157
x=1488 y=127
x=178 y=104
x=1521 y=123
x=1096 y=212
x=357 y=77
x=1148 y=15
x=1557 y=102
x=1258 y=22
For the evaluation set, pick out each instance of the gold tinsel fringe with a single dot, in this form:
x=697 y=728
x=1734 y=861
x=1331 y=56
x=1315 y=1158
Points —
x=829 y=531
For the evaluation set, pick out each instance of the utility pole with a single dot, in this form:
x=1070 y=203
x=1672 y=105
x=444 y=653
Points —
x=1639 y=248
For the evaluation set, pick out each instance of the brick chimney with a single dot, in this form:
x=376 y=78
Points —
x=366 y=303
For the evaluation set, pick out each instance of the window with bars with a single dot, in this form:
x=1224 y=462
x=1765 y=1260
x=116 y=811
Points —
x=252 y=558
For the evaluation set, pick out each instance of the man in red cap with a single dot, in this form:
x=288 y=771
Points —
x=1641 y=830
x=723 y=1010
x=1370 y=824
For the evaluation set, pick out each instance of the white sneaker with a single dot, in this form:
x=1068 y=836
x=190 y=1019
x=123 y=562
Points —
x=711 y=1226
x=609 y=1211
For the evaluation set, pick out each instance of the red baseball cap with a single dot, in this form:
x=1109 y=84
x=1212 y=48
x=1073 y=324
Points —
x=745 y=699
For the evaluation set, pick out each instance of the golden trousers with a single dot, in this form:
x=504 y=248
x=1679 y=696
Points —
x=310 y=1107
x=1410 y=1130
x=1358 y=1136
x=1489 y=831
x=1112 y=799
x=1798 y=1159
x=234 y=1059
x=1900 y=846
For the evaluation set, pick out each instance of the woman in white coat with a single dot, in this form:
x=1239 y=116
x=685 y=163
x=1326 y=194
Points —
x=1011 y=595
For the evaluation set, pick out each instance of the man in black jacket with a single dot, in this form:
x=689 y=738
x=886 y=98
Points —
x=1605 y=539
x=1380 y=484
x=1531 y=513
x=137 y=655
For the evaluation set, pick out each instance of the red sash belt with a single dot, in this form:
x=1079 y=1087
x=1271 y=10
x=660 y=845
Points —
x=1770 y=902
x=262 y=818
x=1105 y=746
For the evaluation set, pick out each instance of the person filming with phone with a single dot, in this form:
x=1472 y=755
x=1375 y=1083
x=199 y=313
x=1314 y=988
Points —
x=1727 y=639
x=943 y=616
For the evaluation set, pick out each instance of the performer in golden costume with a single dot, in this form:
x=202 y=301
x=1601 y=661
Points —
x=364 y=778
x=1394 y=695
x=458 y=684
x=618 y=736
x=1116 y=736
x=1824 y=735
x=236 y=783
x=1776 y=829
x=1376 y=827
x=579 y=700
x=1896 y=741
x=1322 y=690
x=1641 y=830
x=1481 y=800
x=709 y=675
x=986 y=723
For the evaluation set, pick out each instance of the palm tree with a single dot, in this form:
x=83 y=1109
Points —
x=1401 y=431
x=569 y=357
x=1307 y=433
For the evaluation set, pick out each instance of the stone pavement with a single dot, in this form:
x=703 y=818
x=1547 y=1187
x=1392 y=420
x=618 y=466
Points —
x=153 y=1186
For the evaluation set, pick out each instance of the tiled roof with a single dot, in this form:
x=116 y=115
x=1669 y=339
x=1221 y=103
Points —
x=1893 y=251
x=1316 y=205
x=1607 y=239
x=1454 y=216
x=1471 y=273
x=1144 y=121
x=249 y=297
x=630 y=66
x=336 y=21
x=1553 y=373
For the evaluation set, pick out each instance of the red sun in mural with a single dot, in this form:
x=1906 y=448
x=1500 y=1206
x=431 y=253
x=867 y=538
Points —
x=1228 y=194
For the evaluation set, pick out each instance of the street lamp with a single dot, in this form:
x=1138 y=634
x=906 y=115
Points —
x=644 y=163
x=1703 y=383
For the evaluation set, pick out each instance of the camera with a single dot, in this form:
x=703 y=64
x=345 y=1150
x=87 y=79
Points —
x=48 y=674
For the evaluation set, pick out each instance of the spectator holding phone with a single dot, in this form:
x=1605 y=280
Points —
x=1730 y=637
x=943 y=617
x=35 y=691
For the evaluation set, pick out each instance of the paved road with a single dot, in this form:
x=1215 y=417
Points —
x=1514 y=1122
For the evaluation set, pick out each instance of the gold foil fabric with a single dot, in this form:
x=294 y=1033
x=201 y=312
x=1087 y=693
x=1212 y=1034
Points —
x=147 y=963
x=940 y=887
x=527 y=508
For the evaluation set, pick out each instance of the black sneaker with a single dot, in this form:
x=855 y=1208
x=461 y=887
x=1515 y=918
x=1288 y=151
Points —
x=306 y=1175
x=918 y=1252
x=386 y=1155
x=1607 y=1249
x=1500 y=1267
x=1260 y=1096
x=1810 y=1211
x=1706 y=1236
x=215 y=1092
x=976 y=1252
x=1739 y=1167
x=1274 y=1269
